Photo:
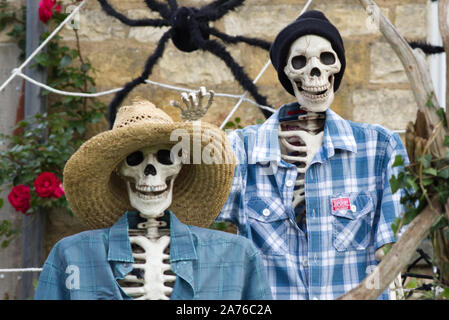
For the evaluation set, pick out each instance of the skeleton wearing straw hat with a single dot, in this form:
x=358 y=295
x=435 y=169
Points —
x=127 y=184
x=312 y=189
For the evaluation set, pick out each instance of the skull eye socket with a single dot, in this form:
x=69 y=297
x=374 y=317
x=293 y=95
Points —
x=327 y=58
x=299 y=62
x=163 y=156
x=135 y=158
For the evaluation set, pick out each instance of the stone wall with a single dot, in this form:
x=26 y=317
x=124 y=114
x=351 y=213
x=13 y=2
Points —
x=374 y=89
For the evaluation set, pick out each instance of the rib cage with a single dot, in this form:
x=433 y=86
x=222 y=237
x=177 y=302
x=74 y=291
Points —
x=300 y=140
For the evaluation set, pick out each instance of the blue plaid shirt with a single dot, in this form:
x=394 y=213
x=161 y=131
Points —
x=349 y=205
x=209 y=264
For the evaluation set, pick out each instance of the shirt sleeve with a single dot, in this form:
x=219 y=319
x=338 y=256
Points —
x=52 y=280
x=256 y=286
x=391 y=207
x=233 y=210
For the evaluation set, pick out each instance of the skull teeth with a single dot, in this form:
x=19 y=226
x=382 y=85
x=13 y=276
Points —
x=146 y=188
x=146 y=192
x=314 y=93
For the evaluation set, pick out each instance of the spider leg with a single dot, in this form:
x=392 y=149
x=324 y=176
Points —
x=173 y=5
x=163 y=10
x=151 y=61
x=131 y=22
x=217 y=9
x=218 y=50
x=235 y=39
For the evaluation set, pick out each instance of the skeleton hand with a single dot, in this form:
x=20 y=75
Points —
x=194 y=101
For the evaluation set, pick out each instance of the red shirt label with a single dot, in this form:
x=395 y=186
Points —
x=341 y=204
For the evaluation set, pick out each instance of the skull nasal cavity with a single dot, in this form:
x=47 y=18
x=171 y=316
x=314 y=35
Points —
x=150 y=169
x=315 y=72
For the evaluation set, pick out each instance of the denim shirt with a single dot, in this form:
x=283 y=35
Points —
x=209 y=264
x=349 y=205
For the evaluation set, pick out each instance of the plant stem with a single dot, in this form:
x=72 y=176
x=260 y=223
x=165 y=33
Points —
x=78 y=47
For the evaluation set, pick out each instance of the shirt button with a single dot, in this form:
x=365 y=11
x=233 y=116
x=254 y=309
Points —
x=266 y=212
x=353 y=208
x=305 y=263
x=289 y=183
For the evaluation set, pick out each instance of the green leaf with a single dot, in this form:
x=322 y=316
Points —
x=427 y=160
x=1 y=203
x=444 y=173
x=446 y=141
x=430 y=171
x=43 y=59
x=85 y=67
x=411 y=182
x=65 y=61
x=440 y=112
x=412 y=284
x=395 y=225
x=445 y=293
x=237 y=120
x=394 y=184
x=398 y=161
x=409 y=216
x=440 y=223
x=427 y=182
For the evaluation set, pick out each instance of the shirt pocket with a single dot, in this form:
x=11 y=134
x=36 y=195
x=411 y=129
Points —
x=352 y=226
x=268 y=222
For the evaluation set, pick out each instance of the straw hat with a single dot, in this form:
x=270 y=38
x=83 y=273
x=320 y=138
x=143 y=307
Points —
x=97 y=194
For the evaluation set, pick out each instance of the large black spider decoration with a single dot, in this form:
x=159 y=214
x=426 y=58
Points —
x=189 y=31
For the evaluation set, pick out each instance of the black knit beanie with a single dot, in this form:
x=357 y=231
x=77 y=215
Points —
x=311 y=22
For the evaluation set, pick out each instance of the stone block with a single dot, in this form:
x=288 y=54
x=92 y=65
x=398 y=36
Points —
x=357 y=62
x=411 y=20
x=179 y=67
x=392 y=109
x=96 y=25
x=385 y=64
x=259 y=21
x=145 y=34
x=349 y=17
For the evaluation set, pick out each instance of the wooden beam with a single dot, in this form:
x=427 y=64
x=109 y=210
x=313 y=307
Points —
x=33 y=226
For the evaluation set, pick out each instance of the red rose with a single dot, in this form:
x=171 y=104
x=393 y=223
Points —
x=59 y=192
x=46 y=9
x=45 y=184
x=19 y=197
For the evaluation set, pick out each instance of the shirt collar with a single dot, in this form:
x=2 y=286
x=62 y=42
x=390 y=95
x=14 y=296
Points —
x=119 y=245
x=181 y=239
x=337 y=135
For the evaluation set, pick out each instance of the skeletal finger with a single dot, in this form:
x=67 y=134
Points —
x=176 y=104
x=185 y=99
x=202 y=93
x=193 y=99
x=210 y=100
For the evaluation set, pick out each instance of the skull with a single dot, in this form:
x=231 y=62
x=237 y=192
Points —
x=149 y=174
x=311 y=66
